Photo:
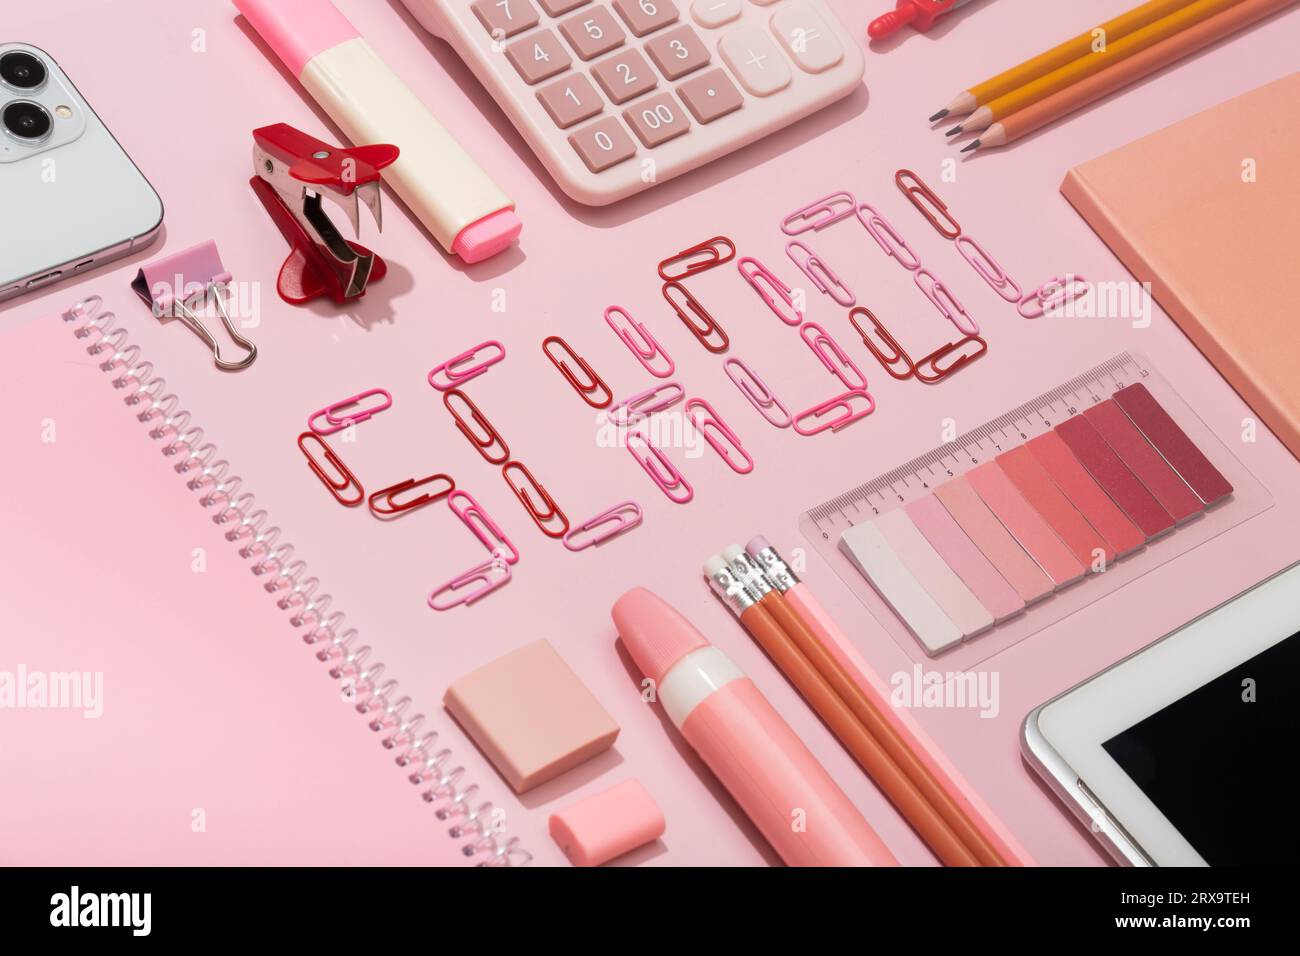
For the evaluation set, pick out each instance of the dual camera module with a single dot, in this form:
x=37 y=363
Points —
x=25 y=120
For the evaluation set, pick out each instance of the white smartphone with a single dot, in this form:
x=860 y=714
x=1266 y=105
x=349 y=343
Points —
x=70 y=197
x=1182 y=754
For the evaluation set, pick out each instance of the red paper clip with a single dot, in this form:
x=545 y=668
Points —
x=989 y=269
x=594 y=385
x=818 y=215
x=830 y=354
x=888 y=238
x=660 y=469
x=472 y=515
x=758 y=393
x=932 y=369
x=715 y=252
x=820 y=274
x=384 y=503
x=655 y=399
x=537 y=501
x=490 y=439
x=896 y=356
x=944 y=300
x=624 y=516
x=844 y=403
x=461 y=368
x=1053 y=294
x=765 y=283
x=478 y=582
x=337 y=417
x=707 y=330
x=344 y=481
x=934 y=209
x=647 y=349
x=711 y=425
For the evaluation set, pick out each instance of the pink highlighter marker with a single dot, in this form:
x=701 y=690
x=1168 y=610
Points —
x=449 y=193
x=775 y=778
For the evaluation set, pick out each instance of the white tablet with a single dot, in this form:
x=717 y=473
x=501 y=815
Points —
x=1184 y=753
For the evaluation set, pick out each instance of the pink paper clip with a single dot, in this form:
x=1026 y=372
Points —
x=341 y=480
x=818 y=215
x=934 y=369
x=888 y=238
x=384 y=503
x=768 y=286
x=989 y=269
x=655 y=399
x=473 y=516
x=696 y=317
x=660 y=469
x=844 y=403
x=699 y=258
x=464 y=589
x=758 y=393
x=943 y=299
x=1052 y=295
x=711 y=426
x=830 y=354
x=338 y=417
x=461 y=368
x=820 y=274
x=896 y=355
x=624 y=516
x=647 y=349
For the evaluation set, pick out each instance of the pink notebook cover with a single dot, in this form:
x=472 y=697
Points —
x=1207 y=211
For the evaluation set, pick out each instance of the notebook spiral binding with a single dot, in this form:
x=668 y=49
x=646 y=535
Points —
x=339 y=647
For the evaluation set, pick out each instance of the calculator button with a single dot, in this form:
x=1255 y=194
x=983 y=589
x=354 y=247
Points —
x=646 y=16
x=505 y=18
x=709 y=96
x=657 y=120
x=678 y=52
x=556 y=7
x=593 y=32
x=624 y=75
x=538 y=57
x=571 y=100
x=806 y=38
x=755 y=60
x=714 y=13
x=603 y=144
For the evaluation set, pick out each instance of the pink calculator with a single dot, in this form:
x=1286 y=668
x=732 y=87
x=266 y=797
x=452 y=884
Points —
x=616 y=95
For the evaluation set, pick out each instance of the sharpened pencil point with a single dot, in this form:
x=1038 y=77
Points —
x=939 y=115
x=972 y=147
x=953 y=132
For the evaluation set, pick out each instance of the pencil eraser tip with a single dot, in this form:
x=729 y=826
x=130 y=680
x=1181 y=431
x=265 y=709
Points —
x=757 y=544
x=485 y=238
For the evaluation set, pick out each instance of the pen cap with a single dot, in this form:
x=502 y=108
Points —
x=297 y=30
x=655 y=634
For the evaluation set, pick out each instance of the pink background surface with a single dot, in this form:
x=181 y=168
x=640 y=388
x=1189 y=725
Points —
x=185 y=117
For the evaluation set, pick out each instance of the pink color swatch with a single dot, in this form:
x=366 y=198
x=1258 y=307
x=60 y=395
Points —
x=1114 y=476
x=1030 y=529
x=947 y=537
x=989 y=535
x=1172 y=442
x=1123 y=536
x=1135 y=451
x=1041 y=492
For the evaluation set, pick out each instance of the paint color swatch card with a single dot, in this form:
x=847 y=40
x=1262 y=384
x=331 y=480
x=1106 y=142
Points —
x=984 y=541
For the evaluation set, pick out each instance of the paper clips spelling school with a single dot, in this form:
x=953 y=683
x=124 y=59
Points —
x=593 y=391
x=384 y=503
x=486 y=439
x=610 y=523
x=467 y=365
x=660 y=469
x=758 y=393
x=331 y=471
x=537 y=501
x=640 y=342
x=719 y=435
x=352 y=410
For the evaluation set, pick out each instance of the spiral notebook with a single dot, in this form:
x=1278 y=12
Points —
x=158 y=704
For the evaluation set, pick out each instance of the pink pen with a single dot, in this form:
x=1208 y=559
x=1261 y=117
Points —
x=767 y=769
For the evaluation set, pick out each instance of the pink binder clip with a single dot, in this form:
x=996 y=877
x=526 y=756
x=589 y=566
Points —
x=638 y=339
x=818 y=215
x=719 y=436
x=819 y=415
x=333 y=474
x=1052 y=295
x=467 y=365
x=656 y=399
x=610 y=523
x=758 y=393
x=349 y=411
x=660 y=469
x=943 y=299
x=769 y=287
x=820 y=274
x=830 y=354
x=476 y=583
x=888 y=238
x=472 y=515
x=699 y=258
x=989 y=269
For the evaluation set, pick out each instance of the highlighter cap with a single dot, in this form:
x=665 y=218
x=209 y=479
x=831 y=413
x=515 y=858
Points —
x=655 y=634
x=297 y=30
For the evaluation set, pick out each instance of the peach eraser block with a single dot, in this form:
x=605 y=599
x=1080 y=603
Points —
x=530 y=715
x=607 y=825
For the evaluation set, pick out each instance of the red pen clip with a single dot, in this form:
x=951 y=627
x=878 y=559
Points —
x=700 y=258
x=537 y=501
x=765 y=283
x=384 y=503
x=707 y=330
x=342 y=480
x=594 y=386
x=490 y=438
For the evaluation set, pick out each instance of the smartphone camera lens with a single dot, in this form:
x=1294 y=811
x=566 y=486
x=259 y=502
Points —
x=21 y=70
x=27 y=121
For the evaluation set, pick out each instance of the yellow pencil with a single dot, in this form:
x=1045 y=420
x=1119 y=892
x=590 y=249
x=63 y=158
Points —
x=970 y=100
x=1090 y=64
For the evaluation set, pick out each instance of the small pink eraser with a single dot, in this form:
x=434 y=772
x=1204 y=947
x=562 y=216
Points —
x=297 y=30
x=485 y=237
x=530 y=715
x=607 y=825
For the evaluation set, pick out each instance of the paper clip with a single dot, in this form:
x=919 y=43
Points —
x=830 y=354
x=338 y=483
x=896 y=356
x=888 y=238
x=647 y=349
x=711 y=425
x=818 y=413
x=944 y=300
x=660 y=469
x=456 y=374
x=765 y=282
x=624 y=516
x=478 y=582
x=337 y=417
x=821 y=275
x=931 y=370
x=473 y=516
x=384 y=503
x=1052 y=295
x=490 y=438
x=707 y=328
x=543 y=510
x=989 y=269
x=758 y=393
x=818 y=215
x=716 y=251
x=655 y=399
x=594 y=385
x=934 y=209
